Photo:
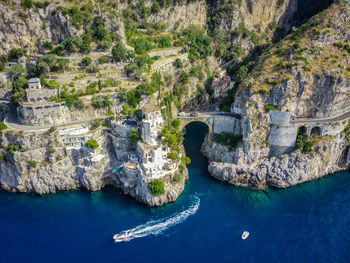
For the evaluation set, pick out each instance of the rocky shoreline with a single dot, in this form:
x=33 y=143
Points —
x=282 y=171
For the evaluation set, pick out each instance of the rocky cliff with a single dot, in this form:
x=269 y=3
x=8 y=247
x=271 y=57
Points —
x=38 y=163
x=307 y=75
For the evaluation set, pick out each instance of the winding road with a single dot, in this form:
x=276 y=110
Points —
x=341 y=117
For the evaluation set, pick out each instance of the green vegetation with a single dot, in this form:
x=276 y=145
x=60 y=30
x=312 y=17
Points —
x=270 y=108
x=3 y=126
x=228 y=139
x=173 y=155
x=3 y=157
x=32 y=164
x=14 y=148
x=92 y=144
x=119 y=52
x=17 y=53
x=101 y=102
x=156 y=187
x=96 y=124
x=346 y=131
x=86 y=62
x=262 y=91
x=196 y=42
x=178 y=177
x=134 y=136
x=303 y=141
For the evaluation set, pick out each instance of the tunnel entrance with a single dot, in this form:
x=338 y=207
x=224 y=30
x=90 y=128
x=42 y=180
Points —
x=316 y=131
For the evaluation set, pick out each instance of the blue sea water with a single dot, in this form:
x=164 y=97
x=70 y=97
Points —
x=306 y=223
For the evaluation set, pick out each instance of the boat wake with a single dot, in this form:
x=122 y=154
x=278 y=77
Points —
x=156 y=227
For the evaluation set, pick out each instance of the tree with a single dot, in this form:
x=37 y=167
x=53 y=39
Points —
x=92 y=144
x=48 y=45
x=126 y=109
x=43 y=67
x=17 y=53
x=173 y=155
x=134 y=136
x=103 y=59
x=27 y=3
x=119 y=53
x=86 y=61
x=155 y=8
x=156 y=187
x=17 y=70
x=176 y=124
x=53 y=84
x=101 y=33
x=104 y=45
x=96 y=124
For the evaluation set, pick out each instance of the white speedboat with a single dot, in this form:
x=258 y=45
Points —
x=122 y=236
x=245 y=235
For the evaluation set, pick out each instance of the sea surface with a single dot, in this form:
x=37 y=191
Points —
x=306 y=223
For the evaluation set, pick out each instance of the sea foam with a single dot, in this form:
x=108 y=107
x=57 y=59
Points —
x=156 y=227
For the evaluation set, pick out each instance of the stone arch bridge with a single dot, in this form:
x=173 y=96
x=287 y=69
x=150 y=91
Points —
x=217 y=122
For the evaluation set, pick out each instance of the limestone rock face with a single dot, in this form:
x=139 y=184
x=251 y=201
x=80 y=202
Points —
x=66 y=169
x=286 y=170
x=30 y=28
x=182 y=16
x=315 y=88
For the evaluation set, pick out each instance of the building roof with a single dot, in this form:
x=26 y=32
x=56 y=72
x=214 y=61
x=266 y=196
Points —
x=33 y=81
x=148 y=108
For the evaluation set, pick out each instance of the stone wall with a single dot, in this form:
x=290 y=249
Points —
x=225 y=124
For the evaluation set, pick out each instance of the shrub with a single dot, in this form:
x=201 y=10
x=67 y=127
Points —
x=261 y=91
x=92 y=144
x=96 y=124
x=126 y=109
x=173 y=155
x=48 y=45
x=103 y=59
x=270 y=108
x=27 y=3
x=156 y=187
x=32 y=164
x=39 y=4
x=86 y=61
x=308 y=146
x=3 y=126
x=134 y=136
x=228 y=139
x=178 y=177
x=52 y=150
x=3 y=157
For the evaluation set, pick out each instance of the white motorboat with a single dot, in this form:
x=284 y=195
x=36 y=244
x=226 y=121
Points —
x=245 y=235
x=122 y=236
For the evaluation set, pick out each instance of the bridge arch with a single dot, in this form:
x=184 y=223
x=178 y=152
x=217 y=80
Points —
x=316 y=131
x=185 y=122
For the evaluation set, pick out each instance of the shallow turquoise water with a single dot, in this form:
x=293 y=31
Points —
x=306 y=223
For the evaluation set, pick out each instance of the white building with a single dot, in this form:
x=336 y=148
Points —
x=154 y=159
x=152 y=124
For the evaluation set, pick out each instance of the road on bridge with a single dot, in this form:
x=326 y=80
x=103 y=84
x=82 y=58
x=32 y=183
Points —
x=342 y=117
x=208 y=114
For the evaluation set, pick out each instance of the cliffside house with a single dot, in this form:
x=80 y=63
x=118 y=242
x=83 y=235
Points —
x=152 y=158
x=37 y=104
x=77 y=137
x=220 y=87
x=151 y=124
